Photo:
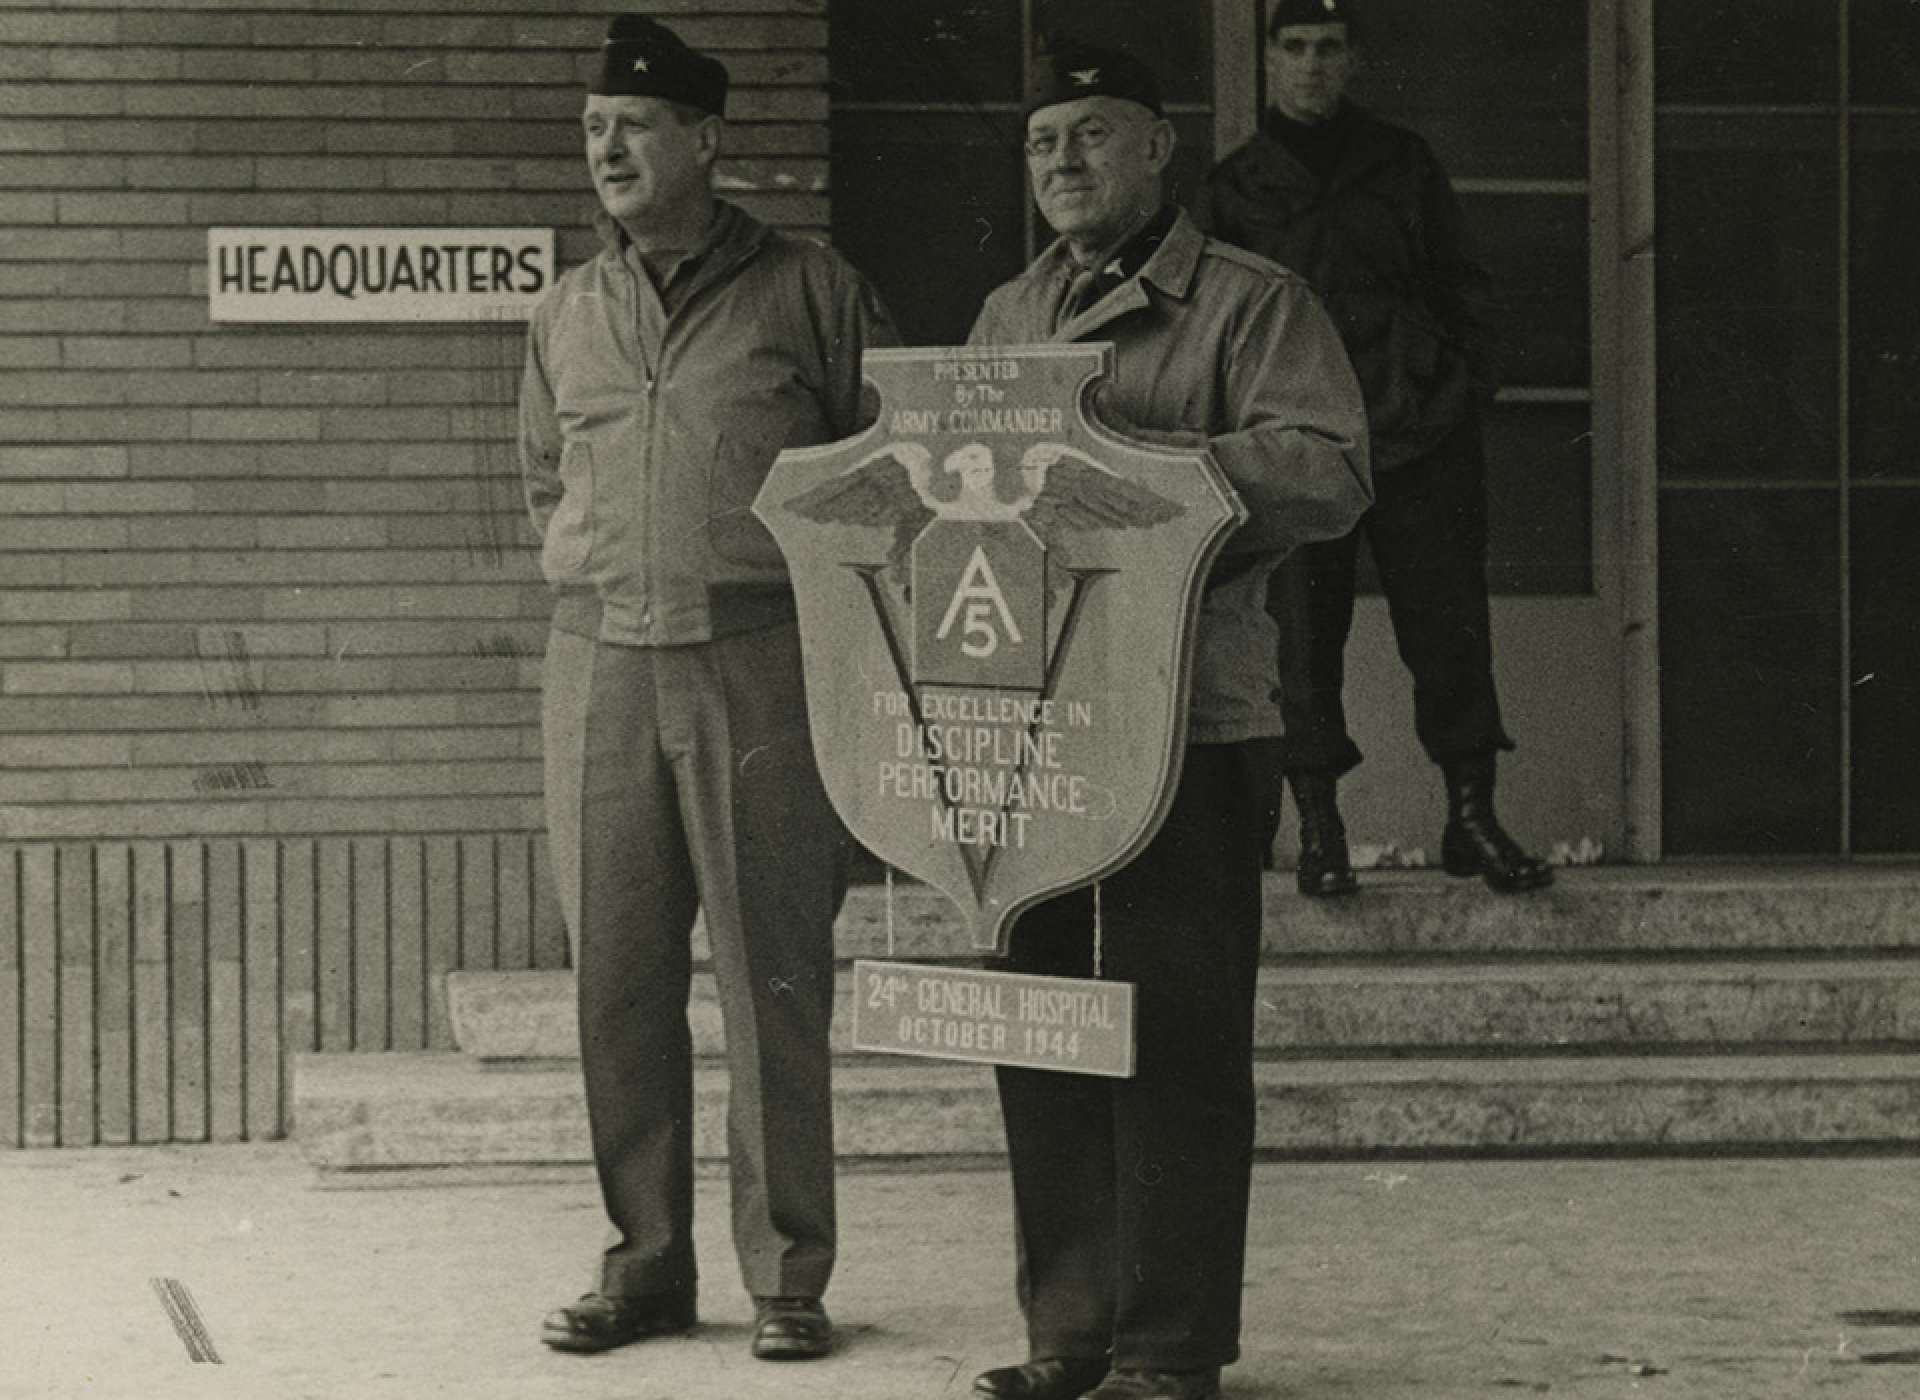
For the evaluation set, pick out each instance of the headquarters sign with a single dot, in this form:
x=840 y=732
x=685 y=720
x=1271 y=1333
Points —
x=997 y=599
x=372 y=274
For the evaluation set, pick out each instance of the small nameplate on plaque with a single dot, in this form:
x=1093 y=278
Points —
x=1079 y=1025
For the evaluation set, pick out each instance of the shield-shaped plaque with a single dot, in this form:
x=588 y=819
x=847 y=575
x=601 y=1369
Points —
x=997 y=599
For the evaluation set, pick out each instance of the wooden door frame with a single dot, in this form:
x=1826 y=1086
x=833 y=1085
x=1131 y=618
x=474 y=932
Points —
x=1620 y=142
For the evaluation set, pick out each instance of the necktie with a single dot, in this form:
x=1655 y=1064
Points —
x=1081 y=293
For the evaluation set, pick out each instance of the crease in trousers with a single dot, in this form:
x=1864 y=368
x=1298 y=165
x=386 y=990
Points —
x=679 y=780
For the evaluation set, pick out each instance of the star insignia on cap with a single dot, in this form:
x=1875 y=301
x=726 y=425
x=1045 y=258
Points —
x=1329 y=5
x=1085 y=77
x=640 y=65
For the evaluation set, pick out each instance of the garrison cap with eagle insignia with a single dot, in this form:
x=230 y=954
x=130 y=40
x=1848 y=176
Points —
x=641 y=57
x=1068 y=69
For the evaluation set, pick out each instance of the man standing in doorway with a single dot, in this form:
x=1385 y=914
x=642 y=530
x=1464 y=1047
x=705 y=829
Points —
x=662 y=378
x=1130 y=1195
x=1365 y=213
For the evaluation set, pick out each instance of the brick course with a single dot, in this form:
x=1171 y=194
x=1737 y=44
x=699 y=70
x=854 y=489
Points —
x=270 y=618
x=175 y=493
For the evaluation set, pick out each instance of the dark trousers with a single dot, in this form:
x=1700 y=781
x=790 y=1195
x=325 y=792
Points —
x=1427 y=532
x=1130 y=1195
x=682 y=779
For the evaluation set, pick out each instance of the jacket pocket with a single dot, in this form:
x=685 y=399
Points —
x=739 y=468
x=1414 y=382
x=568 y=547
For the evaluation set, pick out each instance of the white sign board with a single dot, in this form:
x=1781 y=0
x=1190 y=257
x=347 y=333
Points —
x=377 y=274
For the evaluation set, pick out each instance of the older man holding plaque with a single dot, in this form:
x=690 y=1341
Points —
x=1130 y=1195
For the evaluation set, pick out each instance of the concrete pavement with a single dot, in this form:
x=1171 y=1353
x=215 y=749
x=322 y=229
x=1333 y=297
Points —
x=1384 y=1280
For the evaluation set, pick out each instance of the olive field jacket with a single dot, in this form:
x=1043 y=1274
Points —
x=645 y=433
x=1216 y=343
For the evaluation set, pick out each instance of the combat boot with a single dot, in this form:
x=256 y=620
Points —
x=1326 y=867
x=1474 y=842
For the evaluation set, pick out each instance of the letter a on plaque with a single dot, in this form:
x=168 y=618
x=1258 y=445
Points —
x=997 y=598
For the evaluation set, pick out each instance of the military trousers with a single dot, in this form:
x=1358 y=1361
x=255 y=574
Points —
x=681 y=780
x=1427 y=532
x=1130 y=1195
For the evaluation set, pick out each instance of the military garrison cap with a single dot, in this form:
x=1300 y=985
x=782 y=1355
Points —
x=641 y=57
x=1286 y=12
x=1068 y=70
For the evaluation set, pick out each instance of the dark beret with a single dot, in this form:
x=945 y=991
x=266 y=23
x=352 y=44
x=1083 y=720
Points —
x=641 y=57
x=1285 y=12
x=1068 y=70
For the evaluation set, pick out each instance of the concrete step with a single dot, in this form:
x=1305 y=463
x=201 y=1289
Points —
x=1320 y=1010
x=1600 y=910
x=369 y=1112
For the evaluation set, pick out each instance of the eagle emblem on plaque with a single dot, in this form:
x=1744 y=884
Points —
x=997 y=597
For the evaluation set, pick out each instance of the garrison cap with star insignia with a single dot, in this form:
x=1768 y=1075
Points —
x=1287 y=12
x=1067 y=70
x=641 y=57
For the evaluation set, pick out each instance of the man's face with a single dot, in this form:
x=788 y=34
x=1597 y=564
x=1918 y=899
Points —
x=643 y=158
x=1095 y=165
x=1307 y=70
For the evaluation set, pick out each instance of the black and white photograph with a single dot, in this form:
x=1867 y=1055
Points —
x=959 y=699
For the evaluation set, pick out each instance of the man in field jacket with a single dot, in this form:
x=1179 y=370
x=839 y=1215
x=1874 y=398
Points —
x=1130 y=1195
x=662 y=377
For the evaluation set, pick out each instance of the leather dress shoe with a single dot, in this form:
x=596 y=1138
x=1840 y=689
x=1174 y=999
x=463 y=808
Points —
x=790 y=1329
x=1048 y=1378
x=599 y=1323
x=1159 y=1385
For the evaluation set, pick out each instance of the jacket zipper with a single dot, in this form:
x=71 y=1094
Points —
x=651 y=375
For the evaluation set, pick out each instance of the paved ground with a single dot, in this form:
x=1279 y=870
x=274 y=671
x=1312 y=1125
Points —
x=1381 y=1281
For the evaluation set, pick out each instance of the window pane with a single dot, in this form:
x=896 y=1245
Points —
x=929 y=205
x=1535 y=249
x=1497 y=89
x=1885 y=296
x=924 y=50
x=1886 y=671
x=1885 y=55
x=1539 y=499
x=1171 y=37
x=1726 y=51
x=1749 y=665
x=1747 y=289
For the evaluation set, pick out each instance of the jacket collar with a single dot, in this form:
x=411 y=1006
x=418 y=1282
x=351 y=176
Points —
x=1170 y=270
x=732 y=237
x=1269 y=165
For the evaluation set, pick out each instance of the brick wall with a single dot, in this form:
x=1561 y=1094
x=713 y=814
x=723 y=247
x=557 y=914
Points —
x=269 y=589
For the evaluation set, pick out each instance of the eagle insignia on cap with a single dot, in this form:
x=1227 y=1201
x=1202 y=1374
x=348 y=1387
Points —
x=1085 y=77
x=640 y=65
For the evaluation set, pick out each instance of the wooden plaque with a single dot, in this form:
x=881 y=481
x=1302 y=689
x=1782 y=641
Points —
x=997 y=599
